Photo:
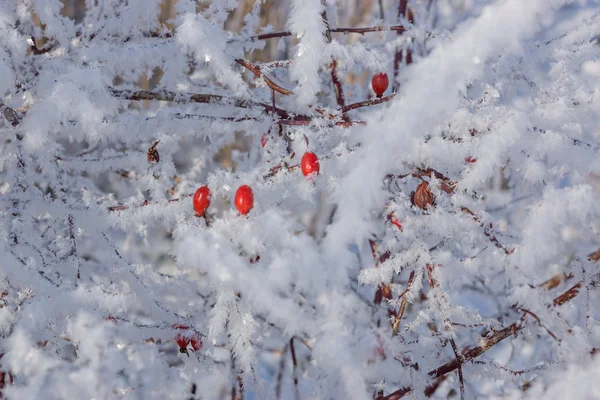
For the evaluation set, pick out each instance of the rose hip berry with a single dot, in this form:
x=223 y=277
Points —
x=196 y=342
x=182 y=342
x=201 y=200
x=244 y=199
x=310 y=164
x=380 y=83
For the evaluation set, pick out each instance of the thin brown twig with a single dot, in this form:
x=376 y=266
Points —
x=303 y=121
x=403 y=295
x=274 y=170
x=569 y=294
x=396 y=28
x=71 y=224
x=279 y=378
x=433 y=283
x=539 y=321
x=431 y=389
x=367 y=103
x=459 y=360
x=337 y=85
x=295 y=363
x=144 y=204
x=510 y=371
x=403 y=11
x=194 y=98
x=274 y=64
x=487 y=232
x=210 y=117
x=258 y=73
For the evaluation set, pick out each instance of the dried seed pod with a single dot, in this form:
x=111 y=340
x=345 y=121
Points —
x=422 y=197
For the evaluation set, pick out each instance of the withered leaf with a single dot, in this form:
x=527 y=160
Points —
x=595 y=256
x=422 y=196
x=152 y=155
x=378 y=296
x=386 y=291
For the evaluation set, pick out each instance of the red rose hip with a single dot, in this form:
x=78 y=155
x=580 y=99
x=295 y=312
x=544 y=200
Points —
x=196 y=342
x=182 y=343
x=380 y=83
x=310 y=164
x=201 y=200
x=244 y=199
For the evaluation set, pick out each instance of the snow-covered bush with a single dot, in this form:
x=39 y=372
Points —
x=446 y=245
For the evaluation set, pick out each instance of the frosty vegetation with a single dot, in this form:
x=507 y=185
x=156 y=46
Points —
x=448 y=248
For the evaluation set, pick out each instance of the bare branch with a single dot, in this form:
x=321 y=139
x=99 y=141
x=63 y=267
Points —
x=367 y=103
x=484 y=345
x=395 y=28
x=194 y=98
x=396 y=323
x=256 y=71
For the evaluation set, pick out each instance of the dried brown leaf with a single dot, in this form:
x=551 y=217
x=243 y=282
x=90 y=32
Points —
x=595 y=256
x=152 y=155
x=422 y=196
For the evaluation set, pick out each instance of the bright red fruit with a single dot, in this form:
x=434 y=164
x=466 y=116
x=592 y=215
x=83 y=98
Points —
x=182 y=342
x=201 y=200
x=244 y=199
x=470 y=159
x=263 y=140
x=380 y=83
x=196 y=343
x=310 y=164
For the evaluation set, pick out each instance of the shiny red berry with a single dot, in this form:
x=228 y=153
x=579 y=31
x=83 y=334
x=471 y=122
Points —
x=244 y=199
x=380 y=83
x=201 y=200
x=310 y=164
x=263 y=140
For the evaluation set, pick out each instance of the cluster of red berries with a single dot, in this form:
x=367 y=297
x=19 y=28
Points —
x=244 y=196
x=186 y=338
x=244 y=200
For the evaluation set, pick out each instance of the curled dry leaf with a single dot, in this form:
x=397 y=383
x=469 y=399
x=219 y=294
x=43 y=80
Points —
x=152 y=154
x=422 y=196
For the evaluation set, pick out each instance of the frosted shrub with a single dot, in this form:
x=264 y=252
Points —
x=434 y=235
